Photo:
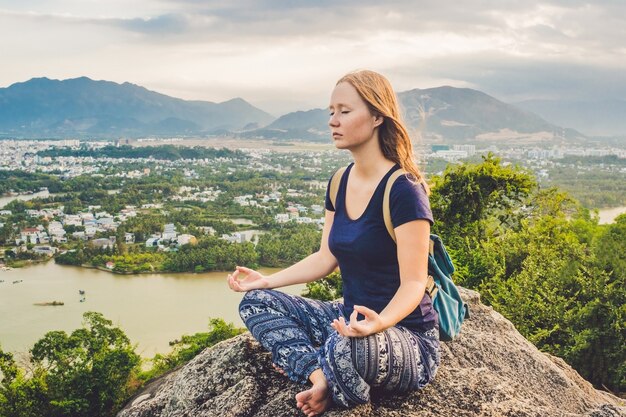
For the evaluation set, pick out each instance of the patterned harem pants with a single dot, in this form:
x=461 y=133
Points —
x=298 y=334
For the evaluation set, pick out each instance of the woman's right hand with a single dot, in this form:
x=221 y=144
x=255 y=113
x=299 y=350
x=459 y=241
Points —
x=253 y=280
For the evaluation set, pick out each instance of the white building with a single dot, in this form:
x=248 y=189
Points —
x=469 y=149
x=80 y=235
x=169 y=231
x=235 y=237
x=152 y=242
x=451 y=155
x=185 y=239
x=86 y=216
x=45 y=250
x=72 y=220
x=281 y=218
x=90 y=231
x=129 y=238
x=103 y=243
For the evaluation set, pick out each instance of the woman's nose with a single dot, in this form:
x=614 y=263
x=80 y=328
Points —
x=333 y=121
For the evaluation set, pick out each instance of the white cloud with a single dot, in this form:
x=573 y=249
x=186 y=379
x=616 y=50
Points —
x=287 y=55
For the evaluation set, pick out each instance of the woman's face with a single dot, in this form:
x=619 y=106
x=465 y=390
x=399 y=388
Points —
x=351 y=123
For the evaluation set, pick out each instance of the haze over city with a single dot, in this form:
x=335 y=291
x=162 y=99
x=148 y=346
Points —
x=286 y=56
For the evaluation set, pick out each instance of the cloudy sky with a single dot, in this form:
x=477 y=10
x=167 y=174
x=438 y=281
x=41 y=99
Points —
x=286 y=55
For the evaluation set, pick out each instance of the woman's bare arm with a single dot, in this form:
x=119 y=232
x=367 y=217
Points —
x=311 y=268
x=413 y=240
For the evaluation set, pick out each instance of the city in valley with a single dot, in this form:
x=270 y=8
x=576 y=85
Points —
x=149 y=200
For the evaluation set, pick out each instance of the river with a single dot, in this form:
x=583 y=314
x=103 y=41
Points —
x=608 y=215
x=151 y=309
x=4 y=200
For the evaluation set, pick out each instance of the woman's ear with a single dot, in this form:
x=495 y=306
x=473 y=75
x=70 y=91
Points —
x=378 y=120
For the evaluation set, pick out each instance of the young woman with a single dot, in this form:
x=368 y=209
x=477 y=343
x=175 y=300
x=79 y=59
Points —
x=384 y=336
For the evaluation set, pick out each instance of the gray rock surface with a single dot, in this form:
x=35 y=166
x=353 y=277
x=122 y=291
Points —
x=490 y=370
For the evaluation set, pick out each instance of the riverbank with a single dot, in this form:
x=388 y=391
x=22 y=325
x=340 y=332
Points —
x=112 y=271
x=151 y=309
x=21 y=263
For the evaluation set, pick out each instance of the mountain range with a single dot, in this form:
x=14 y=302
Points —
x=84 y=108
x=594 y=117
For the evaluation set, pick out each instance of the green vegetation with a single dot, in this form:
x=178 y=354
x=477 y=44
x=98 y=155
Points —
x=91 y=372
x=20 y=181
x=537 y=257
x=594 y=188
x=288 y=245
x=534 y=252
x=188 y=347
x=279 y=247
x=84 y=374
x=211 y=254
x=328 y=288
x=166 y=152
x=542 y=261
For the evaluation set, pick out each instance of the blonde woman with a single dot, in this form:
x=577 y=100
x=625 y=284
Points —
x=384 y=335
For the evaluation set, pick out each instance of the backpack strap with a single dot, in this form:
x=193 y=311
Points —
x=386 y=205
x=334 y=185
x=431 y=288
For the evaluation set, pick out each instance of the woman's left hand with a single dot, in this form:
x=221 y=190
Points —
x=372 y=323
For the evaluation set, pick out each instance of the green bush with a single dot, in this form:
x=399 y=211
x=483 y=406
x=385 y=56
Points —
x=84 y=374
x=188 y=347
x=328 y=288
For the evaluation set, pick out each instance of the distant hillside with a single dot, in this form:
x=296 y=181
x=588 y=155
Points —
x=596 y=118
x=464 y=114
x=305 y=125
x=83 y=107
x=453 y=114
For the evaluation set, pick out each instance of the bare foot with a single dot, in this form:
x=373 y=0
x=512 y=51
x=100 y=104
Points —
x=279 y=369
x=315 y=400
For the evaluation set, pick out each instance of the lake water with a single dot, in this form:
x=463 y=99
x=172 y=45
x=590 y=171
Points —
x=151 y=309
x=608 y=215
x=7 y=199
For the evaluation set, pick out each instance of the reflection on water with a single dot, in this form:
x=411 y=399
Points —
x=151 y=309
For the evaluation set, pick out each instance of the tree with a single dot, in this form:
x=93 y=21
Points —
x=564 y=295
x=328 y=288
x=86 y=372
x=472 y=205
x=465 y=195
x=6 y=233
x=189 y=346
x=288 y=245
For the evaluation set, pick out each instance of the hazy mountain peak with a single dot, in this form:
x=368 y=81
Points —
x=83 y=107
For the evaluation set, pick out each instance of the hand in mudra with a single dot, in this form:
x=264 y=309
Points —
x=252 y=280
x=371 y=324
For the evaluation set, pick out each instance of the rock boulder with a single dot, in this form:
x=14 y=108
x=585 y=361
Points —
x=490 y=370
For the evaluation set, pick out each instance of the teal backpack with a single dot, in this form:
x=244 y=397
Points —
x=452 y=310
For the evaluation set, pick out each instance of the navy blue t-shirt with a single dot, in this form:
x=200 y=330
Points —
x=367 y=255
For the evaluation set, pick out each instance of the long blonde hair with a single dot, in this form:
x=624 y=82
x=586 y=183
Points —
x=393 y=136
